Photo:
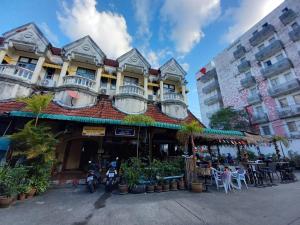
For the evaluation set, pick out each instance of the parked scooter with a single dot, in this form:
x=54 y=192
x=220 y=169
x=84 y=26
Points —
x=111 y=179
x=93 y=178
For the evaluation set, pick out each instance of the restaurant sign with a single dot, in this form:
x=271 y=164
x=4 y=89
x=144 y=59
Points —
x=93 y=131
x=124 y=132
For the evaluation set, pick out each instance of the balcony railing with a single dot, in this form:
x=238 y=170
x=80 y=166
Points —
x=239 y=52
x=173 y=96
x=213 y=99
x=16 y=71
x=285 y=88
x=79 y=81
x=259 y=118
x=260 y=36
x=287 y=16
x=244 y=66
x=254 y=98
x=211 y=87
x=248 y=81
x=211 y=74
x=132 y=90
x=270 y=50
x=47 y=83
x=277 y=68
x=295 y=34
x=289 y=111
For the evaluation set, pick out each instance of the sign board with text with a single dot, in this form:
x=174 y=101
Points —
x=93 y=131
x=125 y=132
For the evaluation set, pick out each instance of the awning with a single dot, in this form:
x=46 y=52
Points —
x=153 y=84
x=73 y=94
x=8 y=59
x=108 y=76
x=50 y=65
x=4 y=143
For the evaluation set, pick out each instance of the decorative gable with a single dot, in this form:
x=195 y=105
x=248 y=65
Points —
x=133 y=58
x=172 y=68
x=27 y=38
x=85 y=50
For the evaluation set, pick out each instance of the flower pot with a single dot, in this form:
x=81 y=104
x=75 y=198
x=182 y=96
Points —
x=31 y=193
x=181 y=185
x=138 y=189
x=5 y=201
x=158 y=188
x=21 y=196
x=197 y=187
x=150 y=188
x=123 y=189
x=173 y=186
x=166 y=187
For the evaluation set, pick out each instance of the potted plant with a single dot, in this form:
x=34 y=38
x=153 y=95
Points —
x=196 y=185
x=22 y=188
x=166 y=186
x=149 y=174
x=158 y=186
x=123 y=186
x=7 y=187
x=173 y=185
x=181 y=184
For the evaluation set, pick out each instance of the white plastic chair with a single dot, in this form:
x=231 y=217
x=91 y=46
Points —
x=222 y=179
x=239 y=176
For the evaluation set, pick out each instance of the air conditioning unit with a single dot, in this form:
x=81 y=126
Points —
x=103 y=91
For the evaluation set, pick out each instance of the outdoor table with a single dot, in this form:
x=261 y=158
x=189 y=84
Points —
x=256 y=173
x=206 y=173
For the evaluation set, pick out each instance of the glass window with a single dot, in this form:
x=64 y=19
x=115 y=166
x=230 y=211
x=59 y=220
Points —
x=23 y=59
x=279 y=57
x=288 y=76
x=169 y=88
x=27 y=63
x=268 y=63
x=260 y=47
x=283 y=102
x=271 y=40
x=87 y=73
x=131 y=81
x=292 y=126
x=104 y=82
x=295 y=25
x=113 y=84
x=259 y=109
x=49 y=73
x=243 y=59
x=253 y=91
x=266 y=130
x=275 y=82
x=297 y=99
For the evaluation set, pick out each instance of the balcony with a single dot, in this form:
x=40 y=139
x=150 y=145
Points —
x=211 y=74
x=277 y=68
x=259 y=118
x=270 y=50
x=287 y=16
x=79 y=81
x=244 y=66
x=47 y=83
x=248 y=81
x=211 y=87
x=289 y=111
x=17 y=72
x=239 y=52
x=254 y=98
x=285 y=88
x=260 y=36
x=173 y=97
x=213 y=99
x=132 y=90
x=295 y=34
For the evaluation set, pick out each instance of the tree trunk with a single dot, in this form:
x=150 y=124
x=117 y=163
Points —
x=37 y=117
x=193 y=146
x=150 y=145
x=138 y=142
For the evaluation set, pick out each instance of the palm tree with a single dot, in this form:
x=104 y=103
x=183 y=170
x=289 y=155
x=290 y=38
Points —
x=36 y=104
x=282 y=140
x=139 y=120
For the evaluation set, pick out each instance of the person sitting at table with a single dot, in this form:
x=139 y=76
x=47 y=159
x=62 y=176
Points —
x=229 y=159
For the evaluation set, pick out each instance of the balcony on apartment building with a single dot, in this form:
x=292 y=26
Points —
x=244 y=66
x=239 y=52
x=211 y=87
x=269 y=50
x=175 y=97
x=288 y=111
x=287 y=16
x=213 y=99
x=277 y=68
x=248 y=81
x=259 y=118
x=131 y=89
x=285 y=88
x=295 y=34
x=79 y=81
x=267 y=31
x=254 y=98
x=16 y=72
x=47 y=83
x=211 y=74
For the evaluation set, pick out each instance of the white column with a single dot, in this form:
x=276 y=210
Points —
x=37 y=69
x=118 y=83
x=98 y=79
x=161 y=90
x=63 y=73
x=183 y=93
x=145 y=87
x=2 y=55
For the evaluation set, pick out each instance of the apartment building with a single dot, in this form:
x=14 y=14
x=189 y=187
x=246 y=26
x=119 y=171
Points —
x=260 y=73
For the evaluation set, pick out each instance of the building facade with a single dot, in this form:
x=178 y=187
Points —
x=260 y=73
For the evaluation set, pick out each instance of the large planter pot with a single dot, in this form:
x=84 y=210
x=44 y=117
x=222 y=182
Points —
x=138 y=189
x=150 y=188
x=31 y=193
x=21 y=196
x=166 y=187
x=158 y=188
x=123 y=189
x=181 y=185
x=197 y=187
x=5 y=201
x=173 y=186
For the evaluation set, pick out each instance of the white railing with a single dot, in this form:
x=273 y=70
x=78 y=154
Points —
x=173 y=96
x=16 y=71
x=48 y=83
x=80 y=81
x=132 y=89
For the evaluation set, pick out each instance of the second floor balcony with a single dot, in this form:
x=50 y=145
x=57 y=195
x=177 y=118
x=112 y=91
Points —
x=295 y=34
x=254 y=98
x=17 y=72
x=287 y=16
x=79 y=81
x=244 y=66
x=267 y=31
x=239 y=52
x=259 y=118
x=213 y=99
x=277 y=68
x=47 y=83
x=248 y=81
x=269 y=50
x=284 y=88
x=211 y=87
x=288 y=111
x=211 y=74
x=173 y=97
x=130 y=89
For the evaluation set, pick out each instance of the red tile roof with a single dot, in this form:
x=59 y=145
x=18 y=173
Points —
x=55 y=51
x=154 y=72
x=103 y=109
x=111 y=62
x=1 y=40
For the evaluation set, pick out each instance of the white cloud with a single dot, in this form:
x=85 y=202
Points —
x=157 y=58
x=108 y=29
x=143 y=16
x=246 y=15
x=187 y=18
x=185 y=66
x=49 y=34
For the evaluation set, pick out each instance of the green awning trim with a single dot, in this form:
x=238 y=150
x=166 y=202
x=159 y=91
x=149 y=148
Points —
x=223 y=132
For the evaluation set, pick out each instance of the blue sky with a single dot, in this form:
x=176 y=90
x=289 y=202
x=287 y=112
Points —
x=191 y=31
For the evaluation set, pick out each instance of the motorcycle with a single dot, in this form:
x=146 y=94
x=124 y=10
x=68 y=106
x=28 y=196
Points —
x=111 y=179
x=93 y=177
